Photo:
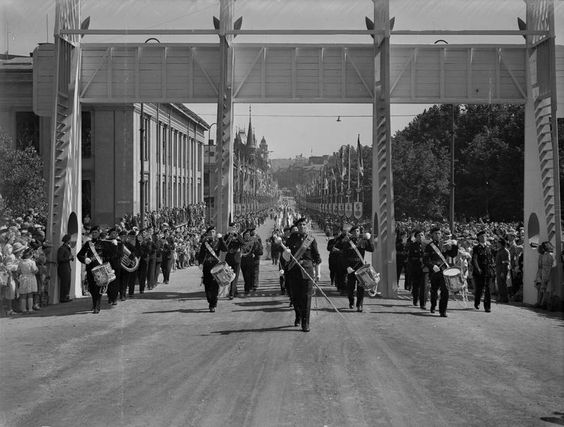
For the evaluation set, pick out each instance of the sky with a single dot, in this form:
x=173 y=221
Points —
x=289 y=129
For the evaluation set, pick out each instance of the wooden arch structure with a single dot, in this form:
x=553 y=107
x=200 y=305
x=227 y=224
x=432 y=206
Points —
x=71 y=72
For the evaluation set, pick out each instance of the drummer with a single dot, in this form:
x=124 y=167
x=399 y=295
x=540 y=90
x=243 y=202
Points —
x=353 y=262
x=91 y=254
x=435 y=258
x=211 y=245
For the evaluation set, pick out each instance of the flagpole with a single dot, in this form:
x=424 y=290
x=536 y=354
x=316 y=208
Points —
x=349 y=174
x=359 y=157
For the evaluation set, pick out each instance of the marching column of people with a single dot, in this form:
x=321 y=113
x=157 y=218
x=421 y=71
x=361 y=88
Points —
x=490 y=263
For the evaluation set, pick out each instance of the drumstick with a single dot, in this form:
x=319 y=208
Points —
x=315 y=284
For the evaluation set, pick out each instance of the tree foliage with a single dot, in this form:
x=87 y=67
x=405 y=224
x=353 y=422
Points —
x=489 y=162
x=22 y=186
x=420 y=179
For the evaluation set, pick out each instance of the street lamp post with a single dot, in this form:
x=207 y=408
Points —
x=142 y=170
x=451 y=213
x=451 y=183
x=142 y=148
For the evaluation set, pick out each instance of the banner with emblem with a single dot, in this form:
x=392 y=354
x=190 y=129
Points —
x=348 y=209
x=358 y=210
x=341 y=209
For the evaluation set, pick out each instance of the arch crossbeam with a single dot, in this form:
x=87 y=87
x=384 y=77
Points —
x=127 y=73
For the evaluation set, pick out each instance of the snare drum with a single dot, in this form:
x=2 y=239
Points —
x=223 y=274
x=453 y=279
x=368 y=278
x=103 y=274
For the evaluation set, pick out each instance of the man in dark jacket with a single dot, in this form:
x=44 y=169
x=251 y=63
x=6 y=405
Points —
x=353 y=262
x=303 y=248
x=64 y=258
x=435 y=257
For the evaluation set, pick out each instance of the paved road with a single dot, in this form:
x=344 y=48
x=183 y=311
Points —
x=164 y=360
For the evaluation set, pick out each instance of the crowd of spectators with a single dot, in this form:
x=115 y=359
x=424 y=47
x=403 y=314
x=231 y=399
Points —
x=24 y=272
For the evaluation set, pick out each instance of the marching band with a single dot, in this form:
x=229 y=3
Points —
x=115 y=265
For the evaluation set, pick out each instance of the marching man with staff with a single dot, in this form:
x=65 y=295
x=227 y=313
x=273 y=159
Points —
x=208 y=257
x=435 y=258
x=303 y=260
x=354 y=249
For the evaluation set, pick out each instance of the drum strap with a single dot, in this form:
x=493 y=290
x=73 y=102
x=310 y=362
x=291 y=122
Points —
x=211 y=251
x=439 y=253
x=93 y=249
x=357 y=251
x=304 y=247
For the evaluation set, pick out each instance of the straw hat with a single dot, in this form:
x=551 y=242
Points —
x=18 y=247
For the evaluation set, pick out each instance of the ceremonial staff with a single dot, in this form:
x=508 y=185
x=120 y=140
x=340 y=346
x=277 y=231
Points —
x=279 y=241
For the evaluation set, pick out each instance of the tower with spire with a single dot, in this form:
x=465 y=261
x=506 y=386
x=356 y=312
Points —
x=251 y=141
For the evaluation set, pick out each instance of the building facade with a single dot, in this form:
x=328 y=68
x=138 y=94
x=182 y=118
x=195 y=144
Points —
x=172 y=142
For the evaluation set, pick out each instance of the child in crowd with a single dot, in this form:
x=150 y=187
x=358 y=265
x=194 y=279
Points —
x=10 y=265
x=27 y=281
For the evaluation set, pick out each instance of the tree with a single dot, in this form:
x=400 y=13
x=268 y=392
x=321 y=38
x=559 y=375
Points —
x=420 y=184
x=22 y=186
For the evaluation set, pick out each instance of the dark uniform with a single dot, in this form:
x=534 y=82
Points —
x=352 y=260
x=106 y=251
x=208 y=261
x=341 y=244
x=433 y=259
x=167 y=248
x=482 y=271
x=233 y=241
x=300 y=283
x=115 y=261
x=64 y=258
x=282 y=266
x=256 y=259
x=128 y=277
x=250 y=251
x=143 y=250
x=333 y=259
x=415 y=266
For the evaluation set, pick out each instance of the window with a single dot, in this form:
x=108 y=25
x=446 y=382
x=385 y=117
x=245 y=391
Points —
x=146 y=188
x=86 y=198
x=164 y=142
x=86 y=130
x=158 y=187
x=159 y=132
x=146 y=136
x=27 y=130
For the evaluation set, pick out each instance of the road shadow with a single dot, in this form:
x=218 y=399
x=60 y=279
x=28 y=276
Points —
x=264 y=310
x=258 y=303
x=180 y=310
x=285 y=328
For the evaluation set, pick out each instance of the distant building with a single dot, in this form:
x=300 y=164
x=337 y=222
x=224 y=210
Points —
x=253 y=185
x=111 y=153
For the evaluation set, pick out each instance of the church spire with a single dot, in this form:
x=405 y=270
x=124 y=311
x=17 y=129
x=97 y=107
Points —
x=251 y=141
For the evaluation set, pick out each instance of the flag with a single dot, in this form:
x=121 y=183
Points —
x=359 y=157
x=343 y=167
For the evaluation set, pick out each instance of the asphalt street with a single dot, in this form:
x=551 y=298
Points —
x=162 y=359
